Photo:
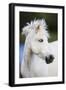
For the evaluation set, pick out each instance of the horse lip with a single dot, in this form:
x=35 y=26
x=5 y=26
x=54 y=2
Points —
x=48 y=62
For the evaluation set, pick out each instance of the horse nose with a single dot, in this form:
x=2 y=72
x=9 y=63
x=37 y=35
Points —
x=49 y=59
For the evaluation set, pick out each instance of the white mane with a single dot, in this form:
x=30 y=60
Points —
x=32 y=26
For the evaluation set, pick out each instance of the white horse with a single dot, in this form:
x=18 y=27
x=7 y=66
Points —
x=39 y=57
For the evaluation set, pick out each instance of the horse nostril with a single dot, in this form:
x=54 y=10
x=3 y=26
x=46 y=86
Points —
x=47 y=60
x=51 y=57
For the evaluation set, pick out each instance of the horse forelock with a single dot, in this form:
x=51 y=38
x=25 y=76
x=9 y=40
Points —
x=35 y=26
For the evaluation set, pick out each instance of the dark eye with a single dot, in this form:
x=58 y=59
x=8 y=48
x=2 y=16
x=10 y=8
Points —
x=40 y=40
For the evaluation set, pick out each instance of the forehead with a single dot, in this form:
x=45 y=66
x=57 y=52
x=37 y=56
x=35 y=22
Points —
x=40 y=34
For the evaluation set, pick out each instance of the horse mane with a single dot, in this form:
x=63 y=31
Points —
x=34 y=25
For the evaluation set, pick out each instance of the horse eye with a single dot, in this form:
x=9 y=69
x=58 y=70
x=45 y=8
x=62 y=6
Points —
x=40 y=40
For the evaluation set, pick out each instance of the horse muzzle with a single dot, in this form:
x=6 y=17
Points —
x=49 y=59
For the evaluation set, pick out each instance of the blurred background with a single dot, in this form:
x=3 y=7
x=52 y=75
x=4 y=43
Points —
x=51 y=20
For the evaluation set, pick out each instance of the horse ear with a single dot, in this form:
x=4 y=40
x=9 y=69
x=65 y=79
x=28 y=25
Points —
x=37 y=28
x=26 y=30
